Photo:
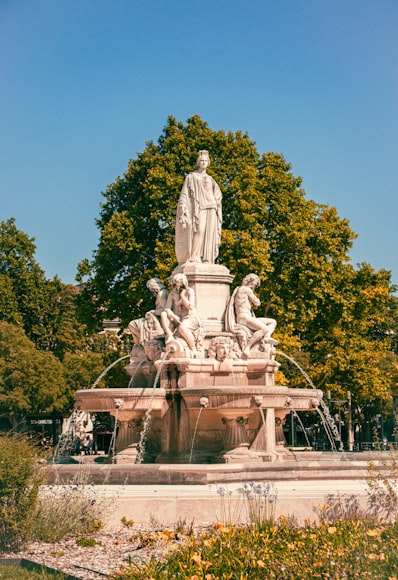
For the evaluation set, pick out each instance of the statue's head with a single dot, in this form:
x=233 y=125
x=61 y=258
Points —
x=220 y=348
x=179 y=280
x=203 y=154
x=155 y=285
x=251 y=280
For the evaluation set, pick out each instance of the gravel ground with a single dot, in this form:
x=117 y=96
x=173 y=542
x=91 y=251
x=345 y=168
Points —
x=113 y=550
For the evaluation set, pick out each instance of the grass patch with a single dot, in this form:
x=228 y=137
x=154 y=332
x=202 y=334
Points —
x=20 y=572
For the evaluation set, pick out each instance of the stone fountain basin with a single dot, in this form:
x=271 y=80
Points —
x=252 y=397
x=103 y=400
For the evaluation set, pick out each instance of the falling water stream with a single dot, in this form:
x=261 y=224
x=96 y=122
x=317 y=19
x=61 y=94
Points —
x=101 y=376
x=327 y=420
x=302 y=427
x=131 y=381
x=148 y=412
x=112 y=444
x=194 y=434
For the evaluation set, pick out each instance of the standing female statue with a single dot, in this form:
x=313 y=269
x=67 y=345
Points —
x=199 y=216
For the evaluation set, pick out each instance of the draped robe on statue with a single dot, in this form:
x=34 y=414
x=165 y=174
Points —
x=199 y=210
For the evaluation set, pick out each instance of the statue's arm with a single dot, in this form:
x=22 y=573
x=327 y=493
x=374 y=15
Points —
x=184 y=216
x=188 y=298
x=253 y=299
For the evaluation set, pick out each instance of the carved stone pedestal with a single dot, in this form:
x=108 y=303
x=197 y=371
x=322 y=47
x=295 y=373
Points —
x=211 y=283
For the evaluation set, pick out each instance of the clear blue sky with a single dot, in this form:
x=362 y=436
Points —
x=85 y=83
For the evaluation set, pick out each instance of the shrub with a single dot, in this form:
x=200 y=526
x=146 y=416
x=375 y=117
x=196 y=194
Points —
x=382 y=484
x=73 y=508
x=20 y=478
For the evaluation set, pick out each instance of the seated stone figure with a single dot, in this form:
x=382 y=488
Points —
x=179 y=315
x=241 y=320
x=150 y=327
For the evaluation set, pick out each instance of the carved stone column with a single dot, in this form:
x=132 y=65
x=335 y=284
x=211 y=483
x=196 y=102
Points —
x=235 y=439
x=235 y=432
x=130 y=425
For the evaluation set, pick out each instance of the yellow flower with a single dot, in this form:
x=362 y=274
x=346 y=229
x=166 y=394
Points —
x=372 y=557
x=260 y=564
x=197 y=559
x=208 y=543
x=332 y=530
x=373 y=533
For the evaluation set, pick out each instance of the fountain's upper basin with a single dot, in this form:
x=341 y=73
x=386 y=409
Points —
x=107 y=400
x=252 y=397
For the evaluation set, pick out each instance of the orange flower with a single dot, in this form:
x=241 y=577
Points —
x=260 y=564
x=220 y=526
x=291 y=546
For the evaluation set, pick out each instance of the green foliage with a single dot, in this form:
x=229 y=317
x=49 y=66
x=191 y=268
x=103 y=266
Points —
x=20 y=478
x=345 y=549
x=87 y=542
x=76 y=508
x=45 y=309
x=30 y=380
x=127 y=523
x=382 y=486
x=20 y=572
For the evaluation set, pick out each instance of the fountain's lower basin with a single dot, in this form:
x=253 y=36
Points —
x=195 y=424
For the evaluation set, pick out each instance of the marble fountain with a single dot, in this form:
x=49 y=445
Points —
x=202 y=402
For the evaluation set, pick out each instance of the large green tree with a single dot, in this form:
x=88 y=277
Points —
x=43 y=308
x=46 y=354
x=30 y=380
x=300 y=248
